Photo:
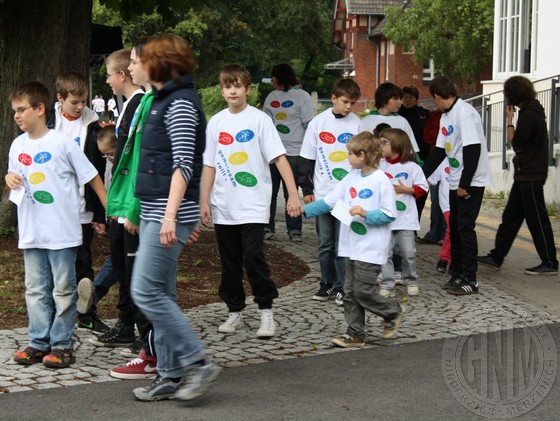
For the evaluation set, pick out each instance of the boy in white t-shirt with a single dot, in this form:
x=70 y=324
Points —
x=369 y=198
x=236 y=188
x=322 y=166
x=44 y=171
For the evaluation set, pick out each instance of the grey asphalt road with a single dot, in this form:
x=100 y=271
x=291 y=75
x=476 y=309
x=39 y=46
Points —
x=400 y=382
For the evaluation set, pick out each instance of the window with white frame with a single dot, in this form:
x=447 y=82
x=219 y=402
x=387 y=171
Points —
x=428 y=70
x=517 y=29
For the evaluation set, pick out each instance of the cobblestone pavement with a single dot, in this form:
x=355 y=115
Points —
x=305 y=327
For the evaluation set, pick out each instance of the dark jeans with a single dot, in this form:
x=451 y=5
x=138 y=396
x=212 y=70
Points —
x=84 y=265
x=242 y=246
x=104 y=280
x=293 y=224
x=526 y=202
x=437 y=221
x=124 y=247
x=462 y=222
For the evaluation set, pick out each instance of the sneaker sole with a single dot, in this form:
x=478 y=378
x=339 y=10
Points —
x=178 y=396
x=318 y=298
x=528 y=272
x=343 y=344
x=148 y=398
x=138 y=376
x=85 y=295
x=461 y=292
x=489 y=266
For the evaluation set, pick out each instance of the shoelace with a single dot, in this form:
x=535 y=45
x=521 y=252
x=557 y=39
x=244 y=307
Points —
x=267 y=320
x=135 y=361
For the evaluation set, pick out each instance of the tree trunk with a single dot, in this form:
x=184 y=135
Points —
x=39 y=40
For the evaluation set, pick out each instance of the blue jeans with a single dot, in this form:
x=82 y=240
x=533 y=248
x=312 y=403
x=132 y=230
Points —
x=50 y=295
x=104 y=280
x=154 y=287
x=332 y=266
x=403 y=244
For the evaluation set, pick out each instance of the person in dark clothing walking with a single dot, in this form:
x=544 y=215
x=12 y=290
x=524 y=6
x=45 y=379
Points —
x=529 y=141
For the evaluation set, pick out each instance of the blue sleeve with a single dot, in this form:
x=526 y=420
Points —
x=377 y=217
x=316 y=208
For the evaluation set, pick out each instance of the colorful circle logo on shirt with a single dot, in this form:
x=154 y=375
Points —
x=42 y=157
x=365 y=193
x=353 y=192
x=339 y=173
x=25 y=159
x=283 y=129
x=44 y=197
x=288 y=104
x=447 y=131
x=244 y=136
x=246 y=179
x=402 y=175
x=448 y=147
x=401 y=206
x=225 y=138
x=36 y=178
x=358 y=228
x=454 y=163
x=447 y=170
x=344 y=137
x=338 y=156
x=327 y=137
x=238 y=158
x=389 y=176
x=275 y=104
x=280 y=116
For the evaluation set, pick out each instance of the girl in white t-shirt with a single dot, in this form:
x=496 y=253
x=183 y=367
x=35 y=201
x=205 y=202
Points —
x=441 y=176
x=400 y=166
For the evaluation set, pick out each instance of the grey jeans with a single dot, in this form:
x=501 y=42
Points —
x=403 y=243
x=362 y=294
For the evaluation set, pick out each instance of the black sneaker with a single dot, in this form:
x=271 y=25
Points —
x=92 y=323
x=118 y=336
x=542 y=269
x=463 y=288
x=324 y=293
x=339 y=297
x=488 y=261
x=441 y=266
x=453 y=281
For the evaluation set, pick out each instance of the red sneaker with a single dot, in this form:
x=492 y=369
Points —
x=142 y=367
x=59 y=358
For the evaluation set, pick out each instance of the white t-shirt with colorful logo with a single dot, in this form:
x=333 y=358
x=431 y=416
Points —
x=396 y=121
x=441 y=176
x=52 y=167
x=410 y=174
x=240 y=147
x=325 y=142
x=458 y=128
x=290 y=111
x=361 y=241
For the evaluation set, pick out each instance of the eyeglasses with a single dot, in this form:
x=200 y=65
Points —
x=385 y=142
x=21 y=110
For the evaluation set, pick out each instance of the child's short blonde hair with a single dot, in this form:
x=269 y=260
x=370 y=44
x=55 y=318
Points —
x=36 y=93
x=119 y=61
x=366 y=143
x=235 y=73
x=107 y=136
x=71 y=83
x=400 y=144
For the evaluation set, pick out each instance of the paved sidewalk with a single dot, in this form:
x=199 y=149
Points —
x=305 y=327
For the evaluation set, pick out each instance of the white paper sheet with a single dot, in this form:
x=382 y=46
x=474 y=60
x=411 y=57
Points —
x=341 y=211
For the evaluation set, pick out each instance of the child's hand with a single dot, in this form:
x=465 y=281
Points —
x=293 y=207
x=194 y=236
x=357 y=210
x=402 y=188
x=308 y=199
x=13 y=181
x=205 y=216
x=132 y=228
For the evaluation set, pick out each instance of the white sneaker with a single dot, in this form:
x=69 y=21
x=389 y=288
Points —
x=268 y=327
x=233 y=321
x=86 y=292
x=387 y=293
x=412 y=290
x=398 y=278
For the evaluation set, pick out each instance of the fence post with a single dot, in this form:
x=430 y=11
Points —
x=553 y=122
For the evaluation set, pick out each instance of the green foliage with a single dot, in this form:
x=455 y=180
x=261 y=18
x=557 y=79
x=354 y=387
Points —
x=457 y=34
x=167 y=9
x=7 y=230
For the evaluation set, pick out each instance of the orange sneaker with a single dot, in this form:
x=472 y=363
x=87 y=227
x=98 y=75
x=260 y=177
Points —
x=59 y=358
x=29 y=356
